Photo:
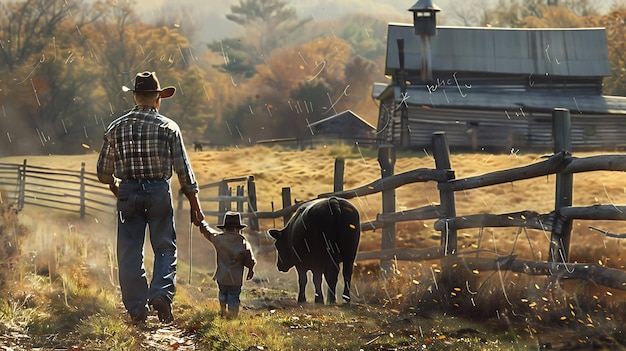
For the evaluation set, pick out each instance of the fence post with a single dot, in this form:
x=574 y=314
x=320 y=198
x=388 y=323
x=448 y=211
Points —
x=240 y=193
x=254 y=221
x=224 y=205
x=286 y=194
x=387 y=161
x=562 y=226
x=82 y=190
x=21 y=180
x=340 y=164
x=441 y=152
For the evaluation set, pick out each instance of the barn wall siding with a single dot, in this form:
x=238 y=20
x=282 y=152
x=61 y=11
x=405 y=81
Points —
x=493 y=130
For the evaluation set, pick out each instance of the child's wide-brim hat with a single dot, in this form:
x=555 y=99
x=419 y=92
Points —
x=232 y=220
x=148 y=82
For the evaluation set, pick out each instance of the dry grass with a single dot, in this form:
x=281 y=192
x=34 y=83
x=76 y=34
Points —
x=418 y=306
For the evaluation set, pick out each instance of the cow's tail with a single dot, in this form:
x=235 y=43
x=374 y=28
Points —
x=333 y=234
x=347 y=231
x=335 y=208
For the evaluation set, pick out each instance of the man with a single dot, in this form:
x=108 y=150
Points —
x=140 y=150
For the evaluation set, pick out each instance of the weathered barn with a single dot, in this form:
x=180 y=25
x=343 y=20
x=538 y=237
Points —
x=496 y=88
x=345 y=126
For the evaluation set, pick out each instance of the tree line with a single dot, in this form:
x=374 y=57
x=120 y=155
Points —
x=63 y=63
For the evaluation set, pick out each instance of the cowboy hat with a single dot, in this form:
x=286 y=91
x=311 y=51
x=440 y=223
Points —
x=147 y=82
x=232 y=220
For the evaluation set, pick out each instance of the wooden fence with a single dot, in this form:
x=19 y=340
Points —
x=558 y=222
x=76 y=191
x=79 y=192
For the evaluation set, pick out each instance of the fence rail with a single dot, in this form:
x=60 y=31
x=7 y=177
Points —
x=80 y=192
x=68 y=190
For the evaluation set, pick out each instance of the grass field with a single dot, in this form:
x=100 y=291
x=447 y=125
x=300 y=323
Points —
x=62 y=291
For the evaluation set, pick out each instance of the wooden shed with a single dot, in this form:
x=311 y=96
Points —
x=346 y=126
x=495 y=88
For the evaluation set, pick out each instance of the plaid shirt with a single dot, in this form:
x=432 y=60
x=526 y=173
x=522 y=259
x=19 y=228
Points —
x=143 y=144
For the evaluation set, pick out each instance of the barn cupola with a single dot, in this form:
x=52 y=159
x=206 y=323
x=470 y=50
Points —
x=425 y=25
x=425 y=17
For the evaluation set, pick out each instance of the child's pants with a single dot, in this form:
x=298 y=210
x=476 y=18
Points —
x=229 y=296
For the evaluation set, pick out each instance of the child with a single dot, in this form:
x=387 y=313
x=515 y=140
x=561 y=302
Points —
x=233 y=253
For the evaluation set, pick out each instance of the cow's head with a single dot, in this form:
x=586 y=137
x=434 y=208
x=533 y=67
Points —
x=283 y=250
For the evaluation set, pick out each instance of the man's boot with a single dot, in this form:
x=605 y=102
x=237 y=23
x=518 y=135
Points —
x=164 y=309
x=233 y=313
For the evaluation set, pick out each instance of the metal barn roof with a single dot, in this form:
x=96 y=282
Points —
x=571 y=52
x=511 y=101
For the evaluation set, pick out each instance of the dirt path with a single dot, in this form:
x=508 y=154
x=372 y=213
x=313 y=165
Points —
x=158 y=337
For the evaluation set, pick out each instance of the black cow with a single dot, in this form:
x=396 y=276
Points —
x=321 y=234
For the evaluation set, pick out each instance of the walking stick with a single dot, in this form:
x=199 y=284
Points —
x=190 y=251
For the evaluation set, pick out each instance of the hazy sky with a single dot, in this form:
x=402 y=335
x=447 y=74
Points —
x=210 y=19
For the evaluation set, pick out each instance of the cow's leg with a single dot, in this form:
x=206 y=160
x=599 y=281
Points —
x=302 y=280
x=317 y=282
x=348 y=267
x=331 y=275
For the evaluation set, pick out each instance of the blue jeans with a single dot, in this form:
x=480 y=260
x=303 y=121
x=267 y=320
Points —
x=229 y=294
x=140 y=205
